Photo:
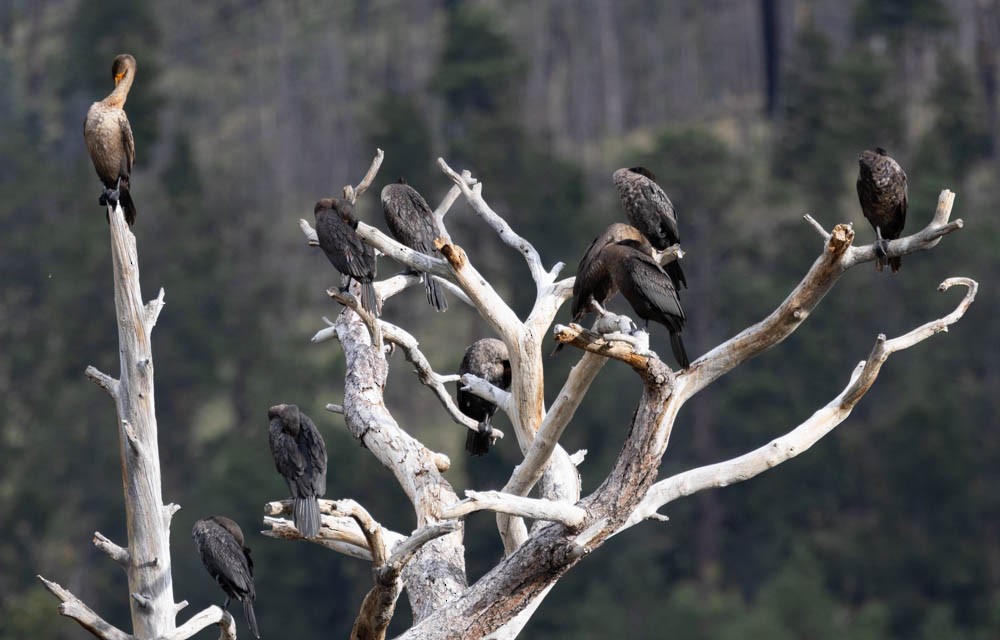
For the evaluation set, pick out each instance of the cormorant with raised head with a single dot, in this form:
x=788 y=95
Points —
x=411 y=221
x=300 y=457
x=109 y=139
x=336 y=231
x=882 y=192
x=648 y=289
x=486 y=359
x=220 y=543
x=650 y=211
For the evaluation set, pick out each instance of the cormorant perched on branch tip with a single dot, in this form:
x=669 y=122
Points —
x=220 y=543
x=300 y=457
x=411 y=221
x=108 y=135
x=882 y=193
x=486 y=359
x=648 y=289
x=336 y=231
x=649 y=210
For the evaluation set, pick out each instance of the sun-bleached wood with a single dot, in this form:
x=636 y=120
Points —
x=73 y=607
x=147 y=520
x=567 y=527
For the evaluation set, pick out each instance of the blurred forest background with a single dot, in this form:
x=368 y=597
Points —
x=751 y=113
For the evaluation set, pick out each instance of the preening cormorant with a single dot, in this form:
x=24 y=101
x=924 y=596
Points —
x=486 y=359
x=335 y=230
x=650 y=211
x=220 y=543
x=411 y=221
x=109 y=139
x=648 y=289
x=300 y=457
x=882 y=192
x=593 y=279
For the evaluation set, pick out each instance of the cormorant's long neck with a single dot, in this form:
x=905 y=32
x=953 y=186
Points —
x=117 y=97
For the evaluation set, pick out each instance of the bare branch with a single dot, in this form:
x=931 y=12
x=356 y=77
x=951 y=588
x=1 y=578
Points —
x=351 y=302
x=371 y=529
x=73 y=607
x=817 y=226
x=473 y=192
x=427 y=376
x=926 y=238
x=152 y=309
x=442 y=211
x=537 y=509
x=112 y=550
x=206 y=618
x=353 y=193
x=405 y=550
x=592 y=342
x=809 y=432
x=103 y=380
x=479 y=387
x=334 y=536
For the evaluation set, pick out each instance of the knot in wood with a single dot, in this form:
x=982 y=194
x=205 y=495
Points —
x=451 y=252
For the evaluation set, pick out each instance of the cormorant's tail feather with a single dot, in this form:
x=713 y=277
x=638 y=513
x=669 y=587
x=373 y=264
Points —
x=435 y=293
x=251 y=618
x=559 y=346
x=306 y=516
x=477 y=443
x=128 y=206
x=895 y=263
x=677 y=346
x=676 y=274
x=369 y=300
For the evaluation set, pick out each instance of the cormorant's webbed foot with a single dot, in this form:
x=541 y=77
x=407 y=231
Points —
x=103 y=200
x=112 y=195
x=881 y=250
x=225 y=605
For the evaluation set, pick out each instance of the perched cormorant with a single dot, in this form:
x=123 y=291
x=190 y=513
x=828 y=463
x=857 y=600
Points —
x=882 y=192
x=335 y=229
x=593 y=280
x=227 y=559
x=650 y=211
x=411 y=221
x=486 y=359
x=648 y=289
x=109 y=139
x=300 y=457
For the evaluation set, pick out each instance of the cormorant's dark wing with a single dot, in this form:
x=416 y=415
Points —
x=589 y=278
x=662 y=211
x=288 y=459
x=345 y=249
x=128 y=144
x=657 y=288
x=314 y=451
x=225 y=560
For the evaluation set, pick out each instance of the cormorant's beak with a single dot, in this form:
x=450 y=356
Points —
x=277 y=408
x=118 y=77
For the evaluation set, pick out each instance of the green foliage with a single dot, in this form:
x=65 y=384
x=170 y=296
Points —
x=899 y=18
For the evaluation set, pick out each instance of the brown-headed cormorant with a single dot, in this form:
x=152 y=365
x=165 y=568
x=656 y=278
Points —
x=593 y=279
x=335 y=230
x=411 y=221
x=650 y=211
x=300 y=457
x=220 y=543
x=486 y=359
x=648 y=289
x=109 y=139
x=882 y=192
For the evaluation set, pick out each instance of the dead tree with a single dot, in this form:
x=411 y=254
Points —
x=146 y=560
x=430 y=562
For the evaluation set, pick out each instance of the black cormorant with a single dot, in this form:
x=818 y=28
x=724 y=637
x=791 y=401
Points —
x=486 y=359
x=336 y=231
x=300 y=457
x=650 y=211
x=411 y=221
x=220 y=543
x=882 y=192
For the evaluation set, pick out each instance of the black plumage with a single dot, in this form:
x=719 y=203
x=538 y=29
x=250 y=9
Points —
x=593 y=279
x=300 y=457
x=411 y=221
x=882 y=192
x=648 y=289
x=220 y=543
x=649 y=210
x=108 y=135
x=336 y=231
x=486 y=359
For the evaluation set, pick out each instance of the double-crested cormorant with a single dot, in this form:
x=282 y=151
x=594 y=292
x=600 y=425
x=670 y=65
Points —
x=335 y=229
x=593 y=279
x=882 y=192
x=300 y=457
x=220 y=543
x=648 y=289
x=486 y=359
x=650 y=211
x=411 y=221
x=109 y=139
